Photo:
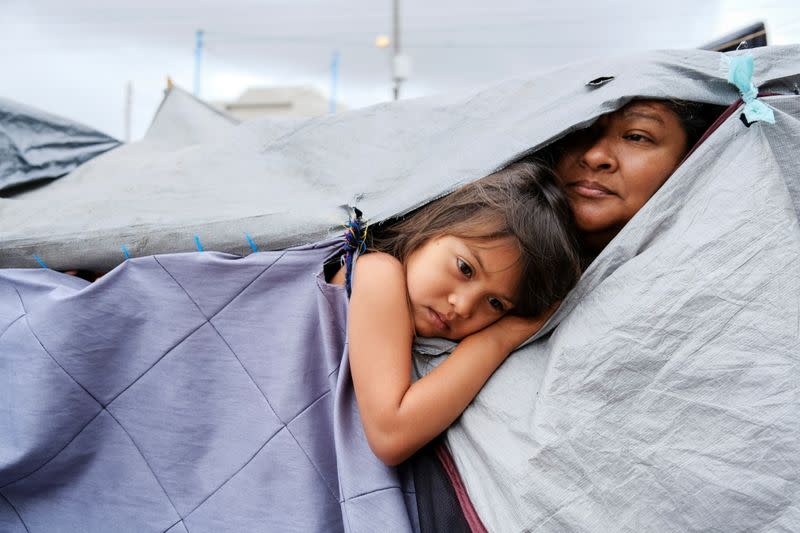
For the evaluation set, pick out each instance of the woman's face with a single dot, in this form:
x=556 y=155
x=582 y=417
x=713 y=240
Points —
x=612 y=168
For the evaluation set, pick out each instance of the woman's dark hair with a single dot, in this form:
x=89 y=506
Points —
x=521 y=201
x=695 y=118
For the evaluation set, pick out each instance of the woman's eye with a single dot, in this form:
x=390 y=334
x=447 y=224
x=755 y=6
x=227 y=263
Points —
x=464 y=268
x=496 y=304
x=637 y=137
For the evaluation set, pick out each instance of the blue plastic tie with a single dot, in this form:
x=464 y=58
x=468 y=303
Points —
x=250 y=241
x=125 y=252
x=740 y=74
x=41 y=263
x=197 y=242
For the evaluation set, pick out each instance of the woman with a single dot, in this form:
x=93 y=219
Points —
x=612 y=168
x=609 y=171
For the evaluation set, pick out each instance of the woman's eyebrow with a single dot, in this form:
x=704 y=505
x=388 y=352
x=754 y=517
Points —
x=637 y=113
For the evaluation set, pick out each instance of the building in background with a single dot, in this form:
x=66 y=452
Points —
x=279 y=102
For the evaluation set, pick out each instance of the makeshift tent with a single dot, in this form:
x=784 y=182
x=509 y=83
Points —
x=662 y=395
x=36 y=146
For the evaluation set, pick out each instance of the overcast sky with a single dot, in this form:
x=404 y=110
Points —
x=74 y=57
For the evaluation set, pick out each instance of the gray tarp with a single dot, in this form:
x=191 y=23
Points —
x=666 y=398
x=283 y=182
x=35 y=145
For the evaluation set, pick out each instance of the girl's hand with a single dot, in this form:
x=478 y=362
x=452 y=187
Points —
x=511 y=330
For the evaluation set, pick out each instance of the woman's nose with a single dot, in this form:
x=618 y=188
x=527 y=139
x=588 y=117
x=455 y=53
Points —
x=599 y=156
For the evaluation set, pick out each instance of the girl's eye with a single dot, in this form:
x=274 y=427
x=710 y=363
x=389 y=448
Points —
x=496 y=304
x=464 y=268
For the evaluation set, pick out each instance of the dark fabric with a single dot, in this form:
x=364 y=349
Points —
x=437 y=504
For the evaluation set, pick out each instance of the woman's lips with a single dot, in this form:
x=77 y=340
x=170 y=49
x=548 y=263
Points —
x=438 y=320
x=590 y=189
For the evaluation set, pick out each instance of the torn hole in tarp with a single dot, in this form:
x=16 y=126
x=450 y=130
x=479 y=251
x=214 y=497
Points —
x=599 y=82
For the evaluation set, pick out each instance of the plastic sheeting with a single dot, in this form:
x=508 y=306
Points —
x=36 y=146
x=285 y=182
x=667 y=398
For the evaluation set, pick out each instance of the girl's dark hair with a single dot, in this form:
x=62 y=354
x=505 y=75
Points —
x=521 y=201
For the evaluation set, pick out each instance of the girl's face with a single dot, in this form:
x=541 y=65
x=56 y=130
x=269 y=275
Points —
x=612 y=168
x=458 y=286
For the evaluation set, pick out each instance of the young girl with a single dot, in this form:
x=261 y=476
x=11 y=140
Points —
x=485 y=265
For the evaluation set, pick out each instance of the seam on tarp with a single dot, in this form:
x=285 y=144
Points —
x=141 y=454
x=21 y=521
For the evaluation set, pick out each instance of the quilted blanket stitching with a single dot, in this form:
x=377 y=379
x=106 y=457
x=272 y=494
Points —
x=255 y=454
x=58 y=452
x=277 y=260
x=24 y=312
x=149 y=368
x=285 y=424
x=145 y=462
x=21 y=521
x=11 y=324
x=391 y=487
x=102 y=408
x=302 y=448
x=175 y=524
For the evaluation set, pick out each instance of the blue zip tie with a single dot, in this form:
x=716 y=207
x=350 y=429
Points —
x=41 y=263
x=125 y=251
x=252 y=244
x=197 y=242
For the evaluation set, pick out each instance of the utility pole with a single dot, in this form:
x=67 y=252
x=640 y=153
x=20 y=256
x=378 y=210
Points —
x=128 y=110
x=401 y=63
x=198 y=60
x=396 y=45
x=334 y=82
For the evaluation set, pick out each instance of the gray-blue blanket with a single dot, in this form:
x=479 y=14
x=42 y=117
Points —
x=188 y=392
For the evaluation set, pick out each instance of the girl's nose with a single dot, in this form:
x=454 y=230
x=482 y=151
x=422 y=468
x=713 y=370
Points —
x=462 y=304
x=599 y=156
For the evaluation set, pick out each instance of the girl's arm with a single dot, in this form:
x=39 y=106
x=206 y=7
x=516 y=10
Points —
x=400 y=417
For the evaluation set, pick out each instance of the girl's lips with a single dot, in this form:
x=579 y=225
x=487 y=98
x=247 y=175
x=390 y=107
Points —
x=437 y=320
x=590 y=189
